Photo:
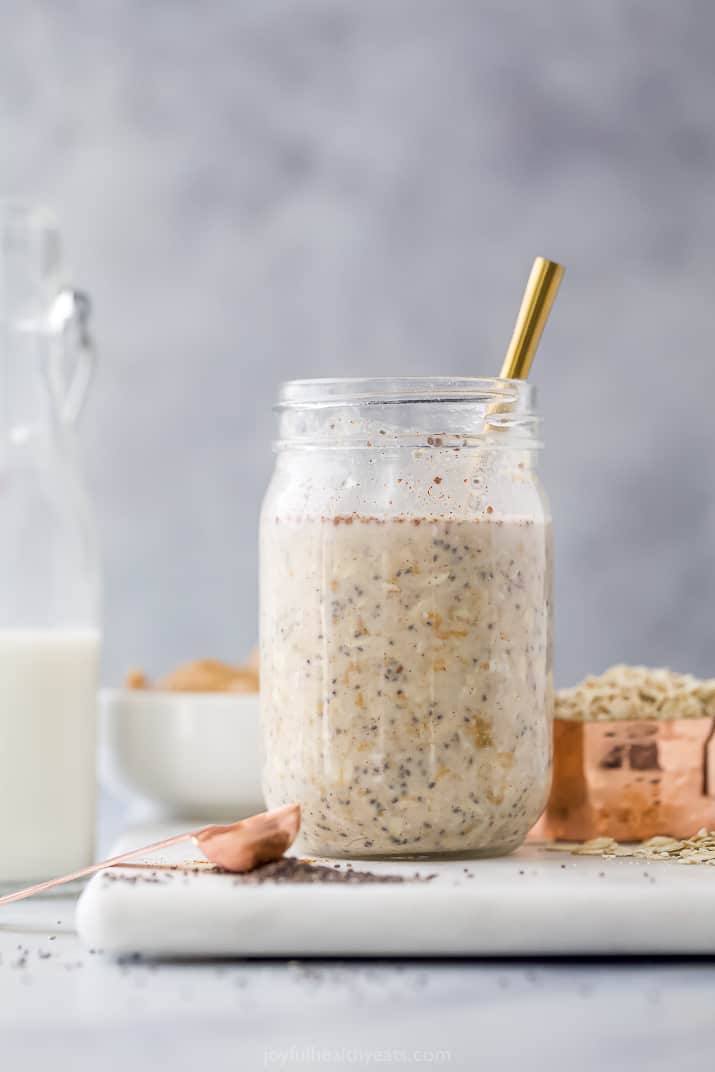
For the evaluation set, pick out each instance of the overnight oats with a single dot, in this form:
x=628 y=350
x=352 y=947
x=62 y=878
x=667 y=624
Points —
x=406 y=617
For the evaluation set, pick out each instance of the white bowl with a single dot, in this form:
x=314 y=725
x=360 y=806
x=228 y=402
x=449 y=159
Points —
x=194 y=755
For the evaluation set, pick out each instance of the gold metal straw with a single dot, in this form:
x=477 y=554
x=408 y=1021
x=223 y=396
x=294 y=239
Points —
x=541 y=290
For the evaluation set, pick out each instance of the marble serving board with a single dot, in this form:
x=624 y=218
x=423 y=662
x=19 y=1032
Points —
x=534 y=902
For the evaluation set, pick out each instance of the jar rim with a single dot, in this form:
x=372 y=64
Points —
x=387 y=390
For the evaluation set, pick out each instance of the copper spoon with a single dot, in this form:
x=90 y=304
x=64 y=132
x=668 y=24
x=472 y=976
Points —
x=239 y=846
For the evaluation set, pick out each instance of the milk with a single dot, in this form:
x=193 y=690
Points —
x=48 y=686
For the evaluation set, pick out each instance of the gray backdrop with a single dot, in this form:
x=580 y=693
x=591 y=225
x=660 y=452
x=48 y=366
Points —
x=254 y=190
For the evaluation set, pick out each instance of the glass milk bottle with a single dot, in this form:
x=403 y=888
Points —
x=49 y=575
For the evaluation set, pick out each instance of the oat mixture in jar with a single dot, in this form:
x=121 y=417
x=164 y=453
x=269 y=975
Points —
x=406 y=617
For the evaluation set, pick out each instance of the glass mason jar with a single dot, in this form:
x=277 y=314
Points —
x=49 y=574
x=406 y=684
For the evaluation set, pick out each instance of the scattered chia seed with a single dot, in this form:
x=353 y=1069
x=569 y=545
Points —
x=290 y=870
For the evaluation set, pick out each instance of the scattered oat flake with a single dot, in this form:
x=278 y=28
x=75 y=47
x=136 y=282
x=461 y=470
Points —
x=595 y=847
x=663 y=843
x=699 y=849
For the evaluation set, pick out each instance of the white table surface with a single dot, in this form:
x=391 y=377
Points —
x=62 y=1004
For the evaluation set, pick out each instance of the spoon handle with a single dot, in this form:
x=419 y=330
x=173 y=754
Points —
x=31 y=890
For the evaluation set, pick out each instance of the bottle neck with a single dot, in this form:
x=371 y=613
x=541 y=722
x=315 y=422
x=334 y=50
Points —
x=29 y=405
